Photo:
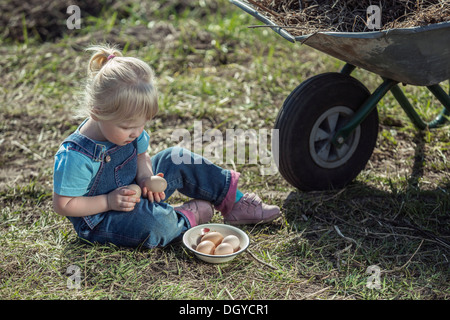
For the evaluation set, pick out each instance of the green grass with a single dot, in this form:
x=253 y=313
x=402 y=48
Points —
x=211 y=67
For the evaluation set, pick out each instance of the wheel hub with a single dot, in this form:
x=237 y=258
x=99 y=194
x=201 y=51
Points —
x=322 y=150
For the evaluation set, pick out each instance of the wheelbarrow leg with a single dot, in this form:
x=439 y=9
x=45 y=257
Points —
x=366 y=108
x=348 y=69
x=391 y=85
x=440 y=120
x=408 y=108
x=444 y=98
x=438 y=92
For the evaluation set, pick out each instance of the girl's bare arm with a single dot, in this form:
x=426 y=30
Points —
x=120 y=199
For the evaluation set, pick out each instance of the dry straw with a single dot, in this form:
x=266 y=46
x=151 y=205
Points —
x=308 y=16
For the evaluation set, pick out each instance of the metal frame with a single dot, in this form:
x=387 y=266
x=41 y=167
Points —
x=391 y=85
x=322 y=43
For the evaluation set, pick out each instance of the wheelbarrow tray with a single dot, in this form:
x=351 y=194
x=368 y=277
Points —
x=418 y=56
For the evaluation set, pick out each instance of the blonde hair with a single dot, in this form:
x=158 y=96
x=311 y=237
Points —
x=118 y=88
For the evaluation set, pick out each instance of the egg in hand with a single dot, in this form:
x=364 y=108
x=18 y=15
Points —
x=156 y=184
x=136 y=188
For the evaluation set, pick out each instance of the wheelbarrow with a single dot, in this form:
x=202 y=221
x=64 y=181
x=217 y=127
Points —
x=328 y=125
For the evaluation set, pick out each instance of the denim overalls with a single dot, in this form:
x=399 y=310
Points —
x=149 y=224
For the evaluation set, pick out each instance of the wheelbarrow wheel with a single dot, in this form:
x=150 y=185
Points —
x=307 y=122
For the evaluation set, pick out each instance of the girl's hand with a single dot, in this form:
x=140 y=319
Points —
x=152 y=196
x=122 y=199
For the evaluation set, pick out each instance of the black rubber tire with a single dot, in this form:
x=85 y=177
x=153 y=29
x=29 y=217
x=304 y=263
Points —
x=305 y=106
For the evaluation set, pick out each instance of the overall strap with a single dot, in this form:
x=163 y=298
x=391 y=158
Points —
x=87 y=146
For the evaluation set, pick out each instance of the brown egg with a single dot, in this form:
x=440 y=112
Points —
x=223 y=248
x=206 y=247
x=136 y=188
x=233 y=241
x=215 y=237
x=156 y=184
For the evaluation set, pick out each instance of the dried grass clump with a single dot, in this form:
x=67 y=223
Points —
x=302 y=17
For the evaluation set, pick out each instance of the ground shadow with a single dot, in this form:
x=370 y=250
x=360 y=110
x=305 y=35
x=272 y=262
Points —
x=400 y=229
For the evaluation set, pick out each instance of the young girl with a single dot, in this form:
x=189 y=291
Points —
x=108 y=151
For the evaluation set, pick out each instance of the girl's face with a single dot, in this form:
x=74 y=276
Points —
x=121 y=133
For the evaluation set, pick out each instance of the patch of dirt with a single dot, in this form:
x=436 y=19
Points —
x=47 y=19
x=26 y=148
x=411 y=157
x=161 y=34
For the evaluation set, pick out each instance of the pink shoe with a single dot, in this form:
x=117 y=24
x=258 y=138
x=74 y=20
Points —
x=197 y=211
x=251 y=210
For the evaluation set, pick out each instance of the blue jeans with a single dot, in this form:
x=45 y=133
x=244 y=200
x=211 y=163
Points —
x=155 y=224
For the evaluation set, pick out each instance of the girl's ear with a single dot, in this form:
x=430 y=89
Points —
x=94 y=117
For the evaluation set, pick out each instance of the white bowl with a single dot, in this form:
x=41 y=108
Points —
x=191 y=239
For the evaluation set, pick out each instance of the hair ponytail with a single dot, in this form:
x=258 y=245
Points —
x=122 y=88
x=100 y=57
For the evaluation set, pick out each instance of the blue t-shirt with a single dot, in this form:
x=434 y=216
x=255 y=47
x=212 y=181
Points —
x=74 y=172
